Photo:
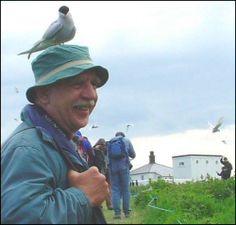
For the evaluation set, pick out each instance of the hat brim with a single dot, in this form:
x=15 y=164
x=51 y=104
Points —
x=101 y=72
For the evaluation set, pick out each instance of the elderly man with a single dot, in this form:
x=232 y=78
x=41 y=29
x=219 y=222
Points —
x=44 y=178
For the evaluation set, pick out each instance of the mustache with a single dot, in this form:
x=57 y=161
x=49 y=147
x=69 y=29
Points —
x=85 y=103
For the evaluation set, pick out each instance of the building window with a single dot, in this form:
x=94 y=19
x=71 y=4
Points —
x=142 y=177
x=216 y=162
x=196 y=161
x=207 y=162
x=181 y=163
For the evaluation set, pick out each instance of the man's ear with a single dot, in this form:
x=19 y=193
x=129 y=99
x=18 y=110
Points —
x=42 y=95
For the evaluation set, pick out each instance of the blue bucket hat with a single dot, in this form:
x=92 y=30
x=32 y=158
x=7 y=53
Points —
x=60 y=62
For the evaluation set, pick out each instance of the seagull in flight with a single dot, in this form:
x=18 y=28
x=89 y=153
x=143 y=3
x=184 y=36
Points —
x=16 y=90
x=224 y=141
x=215 y=128
x=128 y=126
x=60 y=31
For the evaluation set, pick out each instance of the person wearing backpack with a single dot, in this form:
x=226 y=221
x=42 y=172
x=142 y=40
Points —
x=120 y=149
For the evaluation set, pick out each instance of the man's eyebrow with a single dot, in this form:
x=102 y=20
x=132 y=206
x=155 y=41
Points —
x=71 y=80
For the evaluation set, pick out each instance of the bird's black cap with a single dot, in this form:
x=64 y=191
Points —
x=64 y=9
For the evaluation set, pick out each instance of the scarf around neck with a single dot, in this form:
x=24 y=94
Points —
x=40 y=119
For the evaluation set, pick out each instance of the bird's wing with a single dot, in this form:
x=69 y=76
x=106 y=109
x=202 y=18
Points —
x=217 y=126
x=52 y=30
x=219 y=123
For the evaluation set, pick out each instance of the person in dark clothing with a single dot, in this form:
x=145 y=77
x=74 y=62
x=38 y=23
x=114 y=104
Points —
x=223 y=173
x=226 y=169
x=101 y=162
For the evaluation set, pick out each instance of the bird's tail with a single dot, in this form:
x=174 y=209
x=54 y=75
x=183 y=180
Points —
x=25 y=52
x=35 y=48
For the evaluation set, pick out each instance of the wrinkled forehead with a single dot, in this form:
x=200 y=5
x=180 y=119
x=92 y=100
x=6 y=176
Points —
x=87 y=76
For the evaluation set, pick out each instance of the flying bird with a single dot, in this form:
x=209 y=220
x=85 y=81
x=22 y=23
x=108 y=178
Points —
x=128 y=126
x=218 y=124
x=60 y=31
x=16 y=90
x=224 y=141
x=94 y=126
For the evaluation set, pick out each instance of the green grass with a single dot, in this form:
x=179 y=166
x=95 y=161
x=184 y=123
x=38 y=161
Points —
x=210 y=201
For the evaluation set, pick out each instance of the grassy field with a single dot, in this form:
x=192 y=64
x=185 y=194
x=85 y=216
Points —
x=209 y=201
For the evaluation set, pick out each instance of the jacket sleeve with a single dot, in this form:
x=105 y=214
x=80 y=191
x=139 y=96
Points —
x=222 y=162
x=130 y=149
x=30 y=193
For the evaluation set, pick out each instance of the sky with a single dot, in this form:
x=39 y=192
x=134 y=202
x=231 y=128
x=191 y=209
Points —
x=171 y=71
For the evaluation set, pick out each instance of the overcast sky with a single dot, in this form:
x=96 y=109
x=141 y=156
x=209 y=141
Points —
x=171 y=64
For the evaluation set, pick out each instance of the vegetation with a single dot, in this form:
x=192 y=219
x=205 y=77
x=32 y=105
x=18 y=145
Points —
x=210 y=201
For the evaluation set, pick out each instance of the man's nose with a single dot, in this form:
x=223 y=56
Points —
x=89 y=91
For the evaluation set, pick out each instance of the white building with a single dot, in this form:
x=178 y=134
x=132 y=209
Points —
x=151 y=171
x=196 y=166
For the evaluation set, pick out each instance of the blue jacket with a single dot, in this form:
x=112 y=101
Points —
x=34 y=184
x=116 y=165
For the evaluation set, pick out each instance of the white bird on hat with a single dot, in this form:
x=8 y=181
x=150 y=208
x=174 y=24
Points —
x=60 y=31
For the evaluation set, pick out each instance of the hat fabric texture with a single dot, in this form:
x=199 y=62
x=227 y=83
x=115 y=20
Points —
x=60 y=62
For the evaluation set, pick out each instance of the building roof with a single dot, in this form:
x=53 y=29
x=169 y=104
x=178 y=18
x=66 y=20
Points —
x=153 y=168
x=195 y=155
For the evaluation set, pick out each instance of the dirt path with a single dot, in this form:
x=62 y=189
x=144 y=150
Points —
x=133 y=219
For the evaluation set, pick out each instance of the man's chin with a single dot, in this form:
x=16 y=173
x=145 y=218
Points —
x=82 y=124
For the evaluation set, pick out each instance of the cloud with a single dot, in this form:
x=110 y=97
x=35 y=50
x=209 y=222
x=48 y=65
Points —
x=171 y=64
x=195 y=141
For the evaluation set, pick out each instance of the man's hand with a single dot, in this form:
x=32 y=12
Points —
x=92 y=183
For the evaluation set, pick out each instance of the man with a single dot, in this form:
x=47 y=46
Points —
x=226 y=169
x=44 y=178
x=119 y=173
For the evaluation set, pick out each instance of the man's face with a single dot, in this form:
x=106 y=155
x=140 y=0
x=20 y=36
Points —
x=70 y=101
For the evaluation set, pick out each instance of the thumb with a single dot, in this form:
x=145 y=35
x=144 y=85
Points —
x=93 y=169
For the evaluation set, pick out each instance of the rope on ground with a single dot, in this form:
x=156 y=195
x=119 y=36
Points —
x=154 y=199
